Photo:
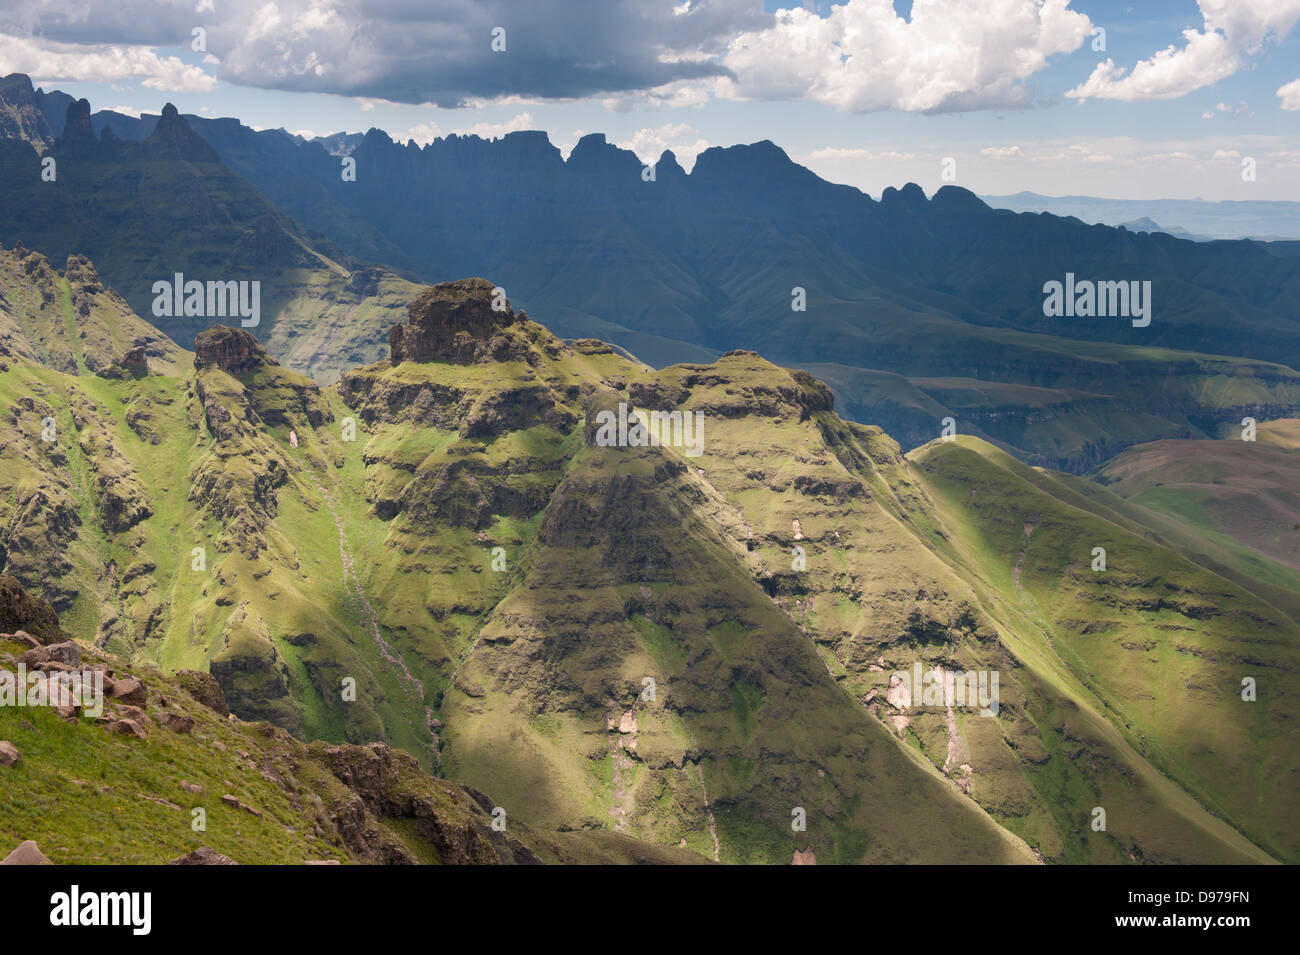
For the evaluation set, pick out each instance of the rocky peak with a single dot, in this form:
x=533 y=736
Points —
x=233 y=350
x=455 y=322
x=81 y=271
x=20 y=114
x=172 y=138
x=596 y=158
x=668 y=168
x=910 y=198
x=956 y=200
x=77 y=128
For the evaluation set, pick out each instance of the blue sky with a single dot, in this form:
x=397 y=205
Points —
x=862 y=93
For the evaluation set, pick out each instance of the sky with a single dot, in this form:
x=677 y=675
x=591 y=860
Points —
x=1126 y=100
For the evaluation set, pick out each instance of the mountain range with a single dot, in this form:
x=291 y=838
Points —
x=392 y=514
x=923 y=323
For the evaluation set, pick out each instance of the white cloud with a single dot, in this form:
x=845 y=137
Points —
x=1289 y=94
x=1079 y=153
x=1225 y=155
x=1001 y=152
x=835 y=154
x=127 y=111
x=1234 y=31
x=680 y=95
x=497 y=130
x=422 y=133
x=952 y=55
x=650 y=143
x=47 y=63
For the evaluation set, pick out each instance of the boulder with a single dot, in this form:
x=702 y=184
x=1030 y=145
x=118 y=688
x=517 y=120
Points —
x=129 y=690
x=126 y=711
x=67 y=653
x=176 y=722
x=203 y=856
x=28 y=853
x=205 y=689
x=34 y=658
x=128 y=727
x=9 y=755
x=22 y=636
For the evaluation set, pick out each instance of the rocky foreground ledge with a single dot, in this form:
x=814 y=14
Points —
x=130 y=783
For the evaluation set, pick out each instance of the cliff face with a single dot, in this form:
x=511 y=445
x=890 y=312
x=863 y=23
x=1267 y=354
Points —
x=232 y=350
x=21 y=117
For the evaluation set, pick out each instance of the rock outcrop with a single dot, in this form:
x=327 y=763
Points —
x=27 y=853
x=233 y=350
x=203 y=856
x=457 y=322
x=21 y=611
x=172 y=138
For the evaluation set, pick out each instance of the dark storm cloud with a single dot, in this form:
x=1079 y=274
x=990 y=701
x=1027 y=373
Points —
x=415 y=52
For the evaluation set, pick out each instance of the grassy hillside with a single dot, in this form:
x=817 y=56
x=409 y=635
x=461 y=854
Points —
x=1155 y=643
x=1238 y=494
x=442 y=553
x=148 y=783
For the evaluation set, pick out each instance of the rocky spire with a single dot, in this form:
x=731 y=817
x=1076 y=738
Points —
x=172 y=138
x=78 y=134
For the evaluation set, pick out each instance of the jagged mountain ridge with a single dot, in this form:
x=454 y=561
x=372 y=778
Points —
x=146 y=211
x=931 y=307
x=376 y=559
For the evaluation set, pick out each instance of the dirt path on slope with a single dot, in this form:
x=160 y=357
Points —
x=623 y=767
x=708 y=806
x=352 y=587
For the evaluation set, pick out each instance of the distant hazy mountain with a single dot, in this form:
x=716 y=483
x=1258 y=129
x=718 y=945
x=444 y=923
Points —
x=1197 y=219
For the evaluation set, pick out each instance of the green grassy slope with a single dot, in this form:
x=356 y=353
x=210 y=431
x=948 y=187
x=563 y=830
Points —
x=1155 y=643
x=88 y=795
